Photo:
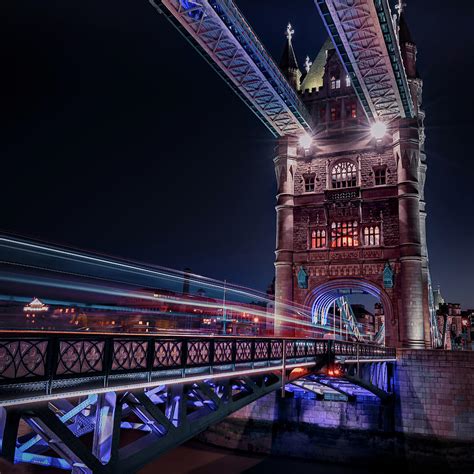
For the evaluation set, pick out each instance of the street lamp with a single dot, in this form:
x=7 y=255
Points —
x=378 y=130
x=306 y=141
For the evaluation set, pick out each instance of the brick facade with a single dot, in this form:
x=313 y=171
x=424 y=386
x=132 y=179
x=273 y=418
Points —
x=395 y=206
x=435 y=391
x=433 y=413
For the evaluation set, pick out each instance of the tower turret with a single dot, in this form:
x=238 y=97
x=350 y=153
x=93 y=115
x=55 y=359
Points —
x=288 y=63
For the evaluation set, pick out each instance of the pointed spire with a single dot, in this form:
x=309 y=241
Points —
x=400 y=7
x=288 y=62
x=307 y=64
x=288 y=58
x=404 y=34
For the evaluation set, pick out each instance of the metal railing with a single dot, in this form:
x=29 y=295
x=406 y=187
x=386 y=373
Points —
x=50 y=364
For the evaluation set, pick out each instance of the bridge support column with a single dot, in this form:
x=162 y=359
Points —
x=412 y=295
x=9 y=421
x=107 y=427
x=285 y=167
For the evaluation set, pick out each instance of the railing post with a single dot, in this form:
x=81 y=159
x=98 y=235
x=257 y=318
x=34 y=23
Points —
x=358 y=364
x=108 y=358
x=283 y=369
x=150 y=347
x=212 y=350
x=52 y=355
x=184 y=356
x=252 y=353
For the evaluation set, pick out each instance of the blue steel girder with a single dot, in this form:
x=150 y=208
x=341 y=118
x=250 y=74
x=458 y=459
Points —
x=54 y=440
x=219 y=32
x=364 y=36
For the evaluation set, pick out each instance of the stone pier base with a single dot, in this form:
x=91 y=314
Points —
x=433 y=430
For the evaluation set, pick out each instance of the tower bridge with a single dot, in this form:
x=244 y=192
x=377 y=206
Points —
x=350 y=161
x=350 y=216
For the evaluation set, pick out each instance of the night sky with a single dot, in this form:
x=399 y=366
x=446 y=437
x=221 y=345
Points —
x=117 y=137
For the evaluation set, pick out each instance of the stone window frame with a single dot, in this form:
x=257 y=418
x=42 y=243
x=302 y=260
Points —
x=372 y=235
x=318 y=238
x=335 y=80
x=344 y=234
x=383 y=169
x=351 y=110
x=335 y=112
x=309 y=179
x=337 y=179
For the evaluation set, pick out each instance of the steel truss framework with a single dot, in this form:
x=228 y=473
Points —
x=111 y=403
x=120 y=432
x=364 y=36
x=217 y=29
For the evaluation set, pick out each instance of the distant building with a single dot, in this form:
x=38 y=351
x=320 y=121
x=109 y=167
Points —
x=456 y=326
x=365 y=320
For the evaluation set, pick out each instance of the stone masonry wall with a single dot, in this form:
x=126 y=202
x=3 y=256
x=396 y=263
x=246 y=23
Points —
x=435 y=394
x=362 y=415
x=434 y=421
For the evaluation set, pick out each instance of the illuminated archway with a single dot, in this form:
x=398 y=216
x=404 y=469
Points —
x=322 y=297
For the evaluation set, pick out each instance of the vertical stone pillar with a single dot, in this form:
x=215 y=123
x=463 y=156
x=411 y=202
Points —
x=285 y=167
x=407 y=153
x=424 y=255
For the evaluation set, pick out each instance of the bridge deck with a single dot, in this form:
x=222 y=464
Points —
x=50 y=365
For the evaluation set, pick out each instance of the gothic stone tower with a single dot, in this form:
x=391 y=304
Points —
x=350 y=209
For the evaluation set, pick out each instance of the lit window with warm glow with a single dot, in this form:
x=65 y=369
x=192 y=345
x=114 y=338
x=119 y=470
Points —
x=380 y=175
x=351 y=110
x=372 y=236
x=322 y=114
x=309 y=184
x=335 y=112
x=344 y=175
x=344 y=234
x=318 y=239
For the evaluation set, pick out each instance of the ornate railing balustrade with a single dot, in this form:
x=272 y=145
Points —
x=354 y=350
x=50 y=365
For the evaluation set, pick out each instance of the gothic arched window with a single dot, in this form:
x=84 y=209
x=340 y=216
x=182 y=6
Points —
x=335 y=81
x=318 y=239
x=372 y=236
x=344 y=175
x=344 y=234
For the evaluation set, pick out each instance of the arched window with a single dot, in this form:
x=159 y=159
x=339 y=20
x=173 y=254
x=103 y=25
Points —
x=344 y=175
x=372 y=236
x=318 y=239
x=335 y=81
x=344 y=234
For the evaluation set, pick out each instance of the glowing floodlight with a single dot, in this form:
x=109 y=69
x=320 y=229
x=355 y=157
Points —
x=306 y=141
x=378 y=130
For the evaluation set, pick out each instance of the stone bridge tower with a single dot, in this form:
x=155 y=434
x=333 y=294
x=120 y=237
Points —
x=350 y=208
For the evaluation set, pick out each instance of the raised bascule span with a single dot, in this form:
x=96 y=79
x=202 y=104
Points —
x=362 y=32
x=365 y=37
x=219 y=32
